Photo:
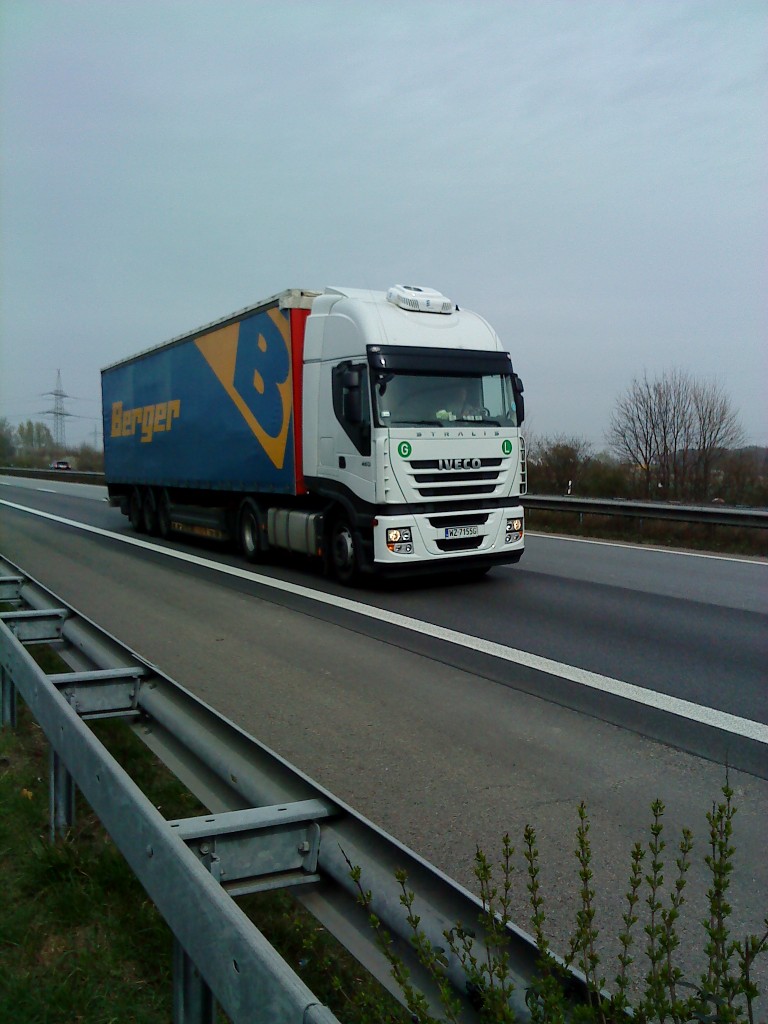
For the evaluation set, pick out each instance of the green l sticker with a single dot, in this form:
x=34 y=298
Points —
x=506 y=447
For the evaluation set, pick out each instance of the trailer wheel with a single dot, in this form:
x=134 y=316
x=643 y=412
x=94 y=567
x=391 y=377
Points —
x=344 y=557
x=149 y=511
x=135 y=513
x=249 y=531
x=164 y=515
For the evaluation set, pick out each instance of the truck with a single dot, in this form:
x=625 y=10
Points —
x=378 y=431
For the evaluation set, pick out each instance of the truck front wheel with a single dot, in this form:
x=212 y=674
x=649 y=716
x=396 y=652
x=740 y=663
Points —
x=344 y=557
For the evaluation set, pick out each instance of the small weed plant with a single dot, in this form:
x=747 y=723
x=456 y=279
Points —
x=573 y=988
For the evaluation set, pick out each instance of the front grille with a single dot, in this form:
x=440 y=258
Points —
x=457 y=519
x=466 y=476
x=430 y=480
x=459 y=543
x=458 y=490
x=419 y=465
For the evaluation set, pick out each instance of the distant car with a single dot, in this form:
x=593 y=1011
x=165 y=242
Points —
x=60 y=464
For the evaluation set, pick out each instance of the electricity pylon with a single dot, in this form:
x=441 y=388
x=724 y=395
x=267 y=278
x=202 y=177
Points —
x=58 y=412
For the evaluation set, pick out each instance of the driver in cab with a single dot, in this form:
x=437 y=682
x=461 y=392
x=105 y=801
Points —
x=460 y=407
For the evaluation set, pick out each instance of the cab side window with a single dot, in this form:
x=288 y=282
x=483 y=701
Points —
x=352 y=403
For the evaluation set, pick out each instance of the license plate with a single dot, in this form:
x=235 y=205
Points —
x=461 y=531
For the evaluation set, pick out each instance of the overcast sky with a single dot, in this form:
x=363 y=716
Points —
x=590 y=176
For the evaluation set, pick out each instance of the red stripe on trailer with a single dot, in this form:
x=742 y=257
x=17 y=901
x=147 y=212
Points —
x=298 y=324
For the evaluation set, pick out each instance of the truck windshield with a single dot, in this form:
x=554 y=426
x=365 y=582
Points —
x=404 y=399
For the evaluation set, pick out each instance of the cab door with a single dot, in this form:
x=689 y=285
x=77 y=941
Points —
x=351 y=455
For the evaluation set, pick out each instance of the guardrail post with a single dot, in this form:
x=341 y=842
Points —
x=193 y=1001
x=62 y=797
x=7 y=700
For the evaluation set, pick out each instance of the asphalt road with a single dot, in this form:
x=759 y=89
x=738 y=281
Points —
x=684 y=625
x=448 y=743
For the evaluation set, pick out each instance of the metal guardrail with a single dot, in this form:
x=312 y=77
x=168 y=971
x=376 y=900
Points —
x=270 y=827
x=714 y=515
x=73 y=476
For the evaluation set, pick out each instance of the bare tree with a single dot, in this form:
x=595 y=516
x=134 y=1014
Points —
x=7 y=442
x=35 y=435
x=671 y=429
x=632 y=434
x=558 y=463
x=716 y=427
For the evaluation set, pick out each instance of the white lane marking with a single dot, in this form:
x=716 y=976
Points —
x=97 y=492
x=744 y=727
x=757 y=560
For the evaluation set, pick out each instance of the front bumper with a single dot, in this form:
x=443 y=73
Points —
x=485 y=538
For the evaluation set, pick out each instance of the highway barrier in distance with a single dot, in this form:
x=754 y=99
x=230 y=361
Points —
x=714 y=515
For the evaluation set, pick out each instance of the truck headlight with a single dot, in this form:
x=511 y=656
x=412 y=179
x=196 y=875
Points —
x=395 y=535
x=514 y=530
x=399 y=540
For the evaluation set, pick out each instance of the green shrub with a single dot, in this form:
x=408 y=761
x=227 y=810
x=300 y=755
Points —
x=724 y=994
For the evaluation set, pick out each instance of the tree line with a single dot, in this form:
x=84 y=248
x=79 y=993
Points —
x=31 y=446
x=672 y=437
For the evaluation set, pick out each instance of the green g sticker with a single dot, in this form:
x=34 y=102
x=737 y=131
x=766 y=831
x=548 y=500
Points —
x=404 y=449
x=506 y=447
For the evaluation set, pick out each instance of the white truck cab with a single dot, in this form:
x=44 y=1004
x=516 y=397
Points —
x=411 y=428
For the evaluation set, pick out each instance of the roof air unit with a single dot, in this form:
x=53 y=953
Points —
x=419 y=300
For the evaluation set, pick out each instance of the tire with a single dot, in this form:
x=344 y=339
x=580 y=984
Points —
x=164 y=516
x=135 y=512
x=149 y=511
x=249 y=531
x=344 y=557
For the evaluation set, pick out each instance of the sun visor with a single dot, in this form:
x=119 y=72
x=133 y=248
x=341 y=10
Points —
x=409 y=359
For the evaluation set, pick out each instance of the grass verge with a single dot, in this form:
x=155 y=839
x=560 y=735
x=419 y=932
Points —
x=657 y=532
x=79 y=938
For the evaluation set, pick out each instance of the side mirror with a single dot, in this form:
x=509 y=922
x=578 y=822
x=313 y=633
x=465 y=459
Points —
x=519 y=400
